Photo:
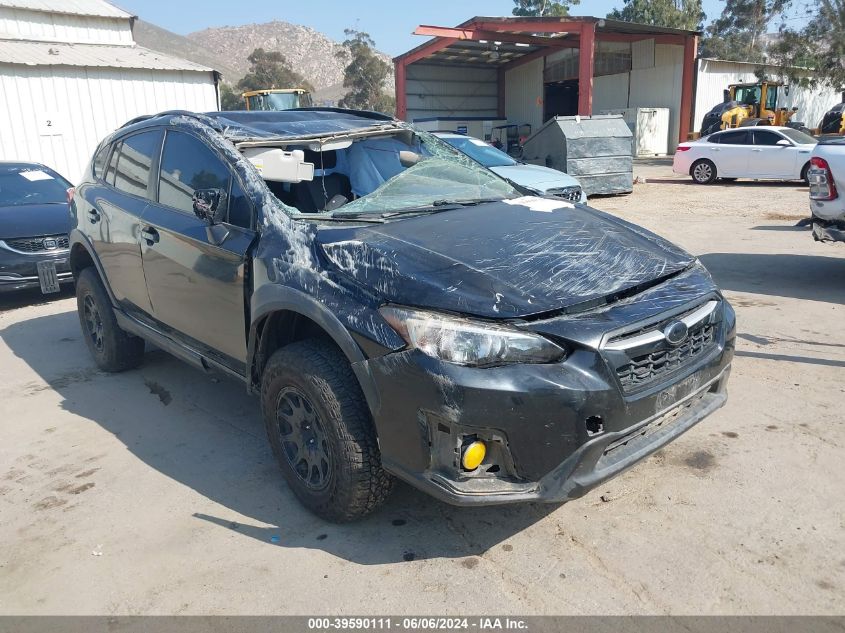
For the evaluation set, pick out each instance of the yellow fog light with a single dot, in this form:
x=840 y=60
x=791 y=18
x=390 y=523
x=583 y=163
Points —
x=473 y=455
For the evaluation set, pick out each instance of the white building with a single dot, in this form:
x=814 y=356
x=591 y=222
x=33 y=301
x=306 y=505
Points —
x=714 y=76
x=70 y=73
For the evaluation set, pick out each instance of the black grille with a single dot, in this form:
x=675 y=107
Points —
x=647 y=368
x=573 y=194
x=45 y=244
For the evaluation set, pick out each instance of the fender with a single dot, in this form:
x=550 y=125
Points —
x=269 y=298
x=78 y=237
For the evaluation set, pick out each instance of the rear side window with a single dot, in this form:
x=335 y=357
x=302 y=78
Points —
x=135 y=162
x=733 y=138
x=112 y=167
x=100 y=159
x=188 y=164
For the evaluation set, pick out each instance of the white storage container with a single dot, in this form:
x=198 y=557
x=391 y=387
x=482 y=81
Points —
x=650 y=127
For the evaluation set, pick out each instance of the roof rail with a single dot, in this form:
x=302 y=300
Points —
x=187 y=113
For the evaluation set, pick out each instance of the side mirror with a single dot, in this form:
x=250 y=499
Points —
x=784 y=143
x=209 y=205
x=408 y=159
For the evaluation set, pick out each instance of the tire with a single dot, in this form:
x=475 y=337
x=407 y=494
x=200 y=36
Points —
x=703 y=171
x=805 y=178
x=113 y=349
x=321 y=432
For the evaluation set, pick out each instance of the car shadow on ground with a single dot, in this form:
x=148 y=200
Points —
x=34 y=297
x=686 y=180
x=809 y=277
x=205 y=432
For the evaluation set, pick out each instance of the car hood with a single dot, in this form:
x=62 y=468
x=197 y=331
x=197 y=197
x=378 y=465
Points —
x=502 y=259
x=33 y=220
x=536 y=177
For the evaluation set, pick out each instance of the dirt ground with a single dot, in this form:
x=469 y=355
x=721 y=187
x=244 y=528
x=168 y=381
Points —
x=154 y=491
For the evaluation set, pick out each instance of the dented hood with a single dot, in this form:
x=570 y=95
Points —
x=502 y=259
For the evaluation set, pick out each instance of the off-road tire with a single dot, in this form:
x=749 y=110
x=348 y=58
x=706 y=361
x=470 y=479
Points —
x=113 y=349
x=356 y=484
x=703 y=171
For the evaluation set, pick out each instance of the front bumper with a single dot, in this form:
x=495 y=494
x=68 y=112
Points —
x=828 y=230
x=535 y=419
x=19 y=271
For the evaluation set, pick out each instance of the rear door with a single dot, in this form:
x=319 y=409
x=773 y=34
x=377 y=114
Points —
x=770 y=160
x=195 y=272
x=113 y=214
x=730 y=153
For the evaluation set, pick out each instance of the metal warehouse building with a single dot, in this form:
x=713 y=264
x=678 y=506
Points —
x=70 y=73
x=527 y=70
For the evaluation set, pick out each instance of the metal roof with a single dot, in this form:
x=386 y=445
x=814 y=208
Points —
x=98 y=8
x=510 y=38
x=90 y=55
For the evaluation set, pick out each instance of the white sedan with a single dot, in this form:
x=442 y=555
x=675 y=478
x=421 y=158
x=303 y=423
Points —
x=761 y=153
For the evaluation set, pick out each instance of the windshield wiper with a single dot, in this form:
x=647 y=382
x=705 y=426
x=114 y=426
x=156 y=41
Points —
x=437 y=206
x=330 y=217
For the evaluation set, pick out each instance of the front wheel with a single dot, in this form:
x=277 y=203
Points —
x=703 y=171
x=321 y=431
x=113 y=349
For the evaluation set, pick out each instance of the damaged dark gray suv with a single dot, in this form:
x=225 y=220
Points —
x=400 y=310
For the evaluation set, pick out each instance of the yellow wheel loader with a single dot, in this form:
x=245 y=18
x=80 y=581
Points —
x=833 y=121
x=277 y=99
x=748 y=104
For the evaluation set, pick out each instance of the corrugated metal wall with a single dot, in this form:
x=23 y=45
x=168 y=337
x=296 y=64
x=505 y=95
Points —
x=451 y=91
x=715 y=75
x=57 y=115
x=524 y=94
x=57 y=27
x=660 y=86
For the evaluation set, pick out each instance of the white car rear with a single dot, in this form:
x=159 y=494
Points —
x=827 y=187
x=760 y=153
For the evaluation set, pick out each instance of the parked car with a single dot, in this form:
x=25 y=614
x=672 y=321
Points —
x=827 y=168
x=400 y=310
x=34 y=225
x=543 y=180
x=759 y=152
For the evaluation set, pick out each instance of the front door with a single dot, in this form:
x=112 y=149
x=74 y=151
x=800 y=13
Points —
x=196 y=272
x=770 y=160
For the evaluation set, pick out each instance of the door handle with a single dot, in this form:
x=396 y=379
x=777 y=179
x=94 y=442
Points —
x=715 y=149
x=756 y=150
x=93 y=216
x=149 y=235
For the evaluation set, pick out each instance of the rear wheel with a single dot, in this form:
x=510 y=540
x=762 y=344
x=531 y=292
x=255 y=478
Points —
x=112 y=348
x=703 y=171
x=321 y=432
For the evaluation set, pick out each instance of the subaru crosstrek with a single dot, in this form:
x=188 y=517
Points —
x=400 y=310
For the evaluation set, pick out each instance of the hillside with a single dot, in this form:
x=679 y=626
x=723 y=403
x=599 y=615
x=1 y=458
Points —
x=226 y=48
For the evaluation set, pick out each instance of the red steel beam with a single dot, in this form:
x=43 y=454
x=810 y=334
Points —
x=660 y=38
x=586 y=65
x=399 y=69
x=690 y=53
x=426 y=50
x=535 y=26
x=475 y=35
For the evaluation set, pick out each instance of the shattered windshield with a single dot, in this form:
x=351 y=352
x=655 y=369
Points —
x=387 y=173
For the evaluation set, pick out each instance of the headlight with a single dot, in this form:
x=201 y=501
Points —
x=465 y=342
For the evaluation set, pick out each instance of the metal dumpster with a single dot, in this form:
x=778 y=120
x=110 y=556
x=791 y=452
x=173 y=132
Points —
x=596 y=150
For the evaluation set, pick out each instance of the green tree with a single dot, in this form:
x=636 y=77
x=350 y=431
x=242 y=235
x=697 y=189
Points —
x=820 y=45
x=543 y=8
x=365 y=74
x=676 y=14
x=229 y=99
x=738 y=33
x=269 y=69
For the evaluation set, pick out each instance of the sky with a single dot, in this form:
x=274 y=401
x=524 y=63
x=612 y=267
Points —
x=389 y=22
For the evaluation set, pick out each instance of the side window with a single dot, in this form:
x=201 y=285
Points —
x=714 y=138
x=135 y=162
x=187 y=164
x=734 y=138
x=762 y=137
x=240 y=209
x=100 y=159
x=112 y=168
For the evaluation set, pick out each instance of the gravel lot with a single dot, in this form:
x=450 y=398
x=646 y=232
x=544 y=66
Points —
x=154 y=491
